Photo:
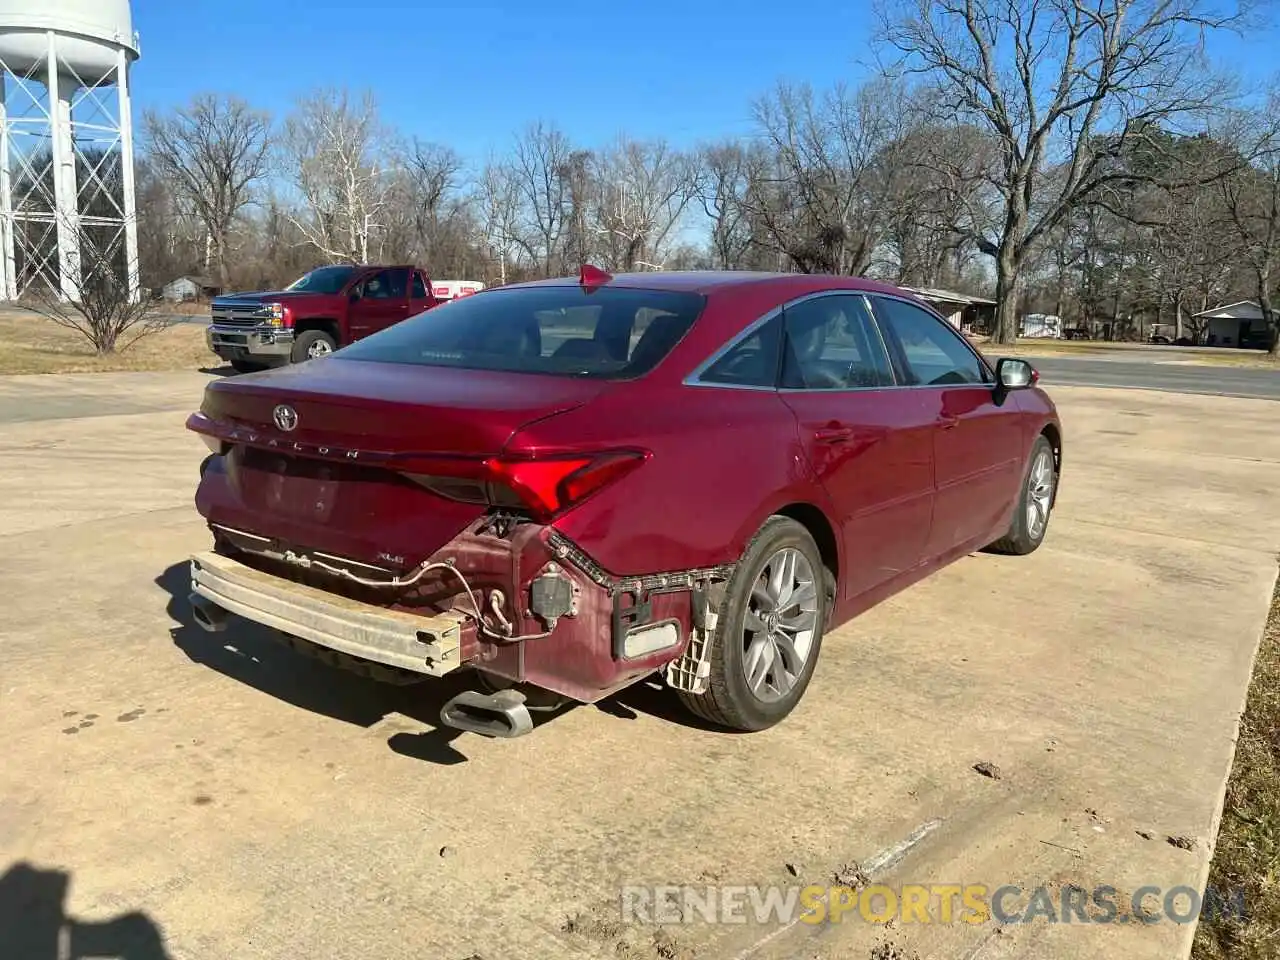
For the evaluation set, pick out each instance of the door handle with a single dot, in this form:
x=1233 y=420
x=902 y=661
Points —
x=949 y=423
x=833 y=434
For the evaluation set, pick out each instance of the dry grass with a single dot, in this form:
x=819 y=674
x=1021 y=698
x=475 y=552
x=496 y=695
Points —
x=31 y=344
x=1247 y=855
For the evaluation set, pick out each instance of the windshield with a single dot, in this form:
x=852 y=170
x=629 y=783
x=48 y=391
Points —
x=323 y=280
x=608 y=334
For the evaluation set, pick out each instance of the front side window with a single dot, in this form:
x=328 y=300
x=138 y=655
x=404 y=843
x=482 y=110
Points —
x=385 y=285
x=419 y=288
x=832 y=344
x=933 y=352
x=610 y=333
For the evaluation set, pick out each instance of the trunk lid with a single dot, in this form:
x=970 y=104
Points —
x=340 y=481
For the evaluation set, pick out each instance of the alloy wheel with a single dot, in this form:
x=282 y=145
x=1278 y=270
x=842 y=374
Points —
x=319 y=348
x=1039 y=494
x=779 y=625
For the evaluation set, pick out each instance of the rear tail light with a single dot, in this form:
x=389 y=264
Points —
x=543 y=487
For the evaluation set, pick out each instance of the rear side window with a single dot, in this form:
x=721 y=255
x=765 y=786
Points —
x=610 y=333
x=752 y=361
x=832 y=344
x=933 y=351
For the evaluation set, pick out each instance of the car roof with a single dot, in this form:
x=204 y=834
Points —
x=707 y=281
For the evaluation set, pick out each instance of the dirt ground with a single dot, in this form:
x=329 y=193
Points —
x=171 y=793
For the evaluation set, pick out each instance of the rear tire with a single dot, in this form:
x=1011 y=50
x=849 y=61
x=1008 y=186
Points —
x=769 y=632
x=311 y=345
x=1034 y=505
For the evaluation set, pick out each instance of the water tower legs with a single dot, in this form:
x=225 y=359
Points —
x=8 y=269
x=65 y=190
x=126 y=167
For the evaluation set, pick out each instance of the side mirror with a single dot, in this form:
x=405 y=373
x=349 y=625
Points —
x=1014 y=374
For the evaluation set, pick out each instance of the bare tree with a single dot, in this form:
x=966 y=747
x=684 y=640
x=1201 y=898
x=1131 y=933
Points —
x=213 y=151
x=497 y=197
x=1252 y=198
x=540 y=174
x=336 y=155
x=434 y=171
x=644 y=189
x=103 y=311
x=820 y=203
x=936 y=199
x=727 y=173
x=1058 y=83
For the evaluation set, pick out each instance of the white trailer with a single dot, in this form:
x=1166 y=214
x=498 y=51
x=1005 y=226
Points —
x=453 y=289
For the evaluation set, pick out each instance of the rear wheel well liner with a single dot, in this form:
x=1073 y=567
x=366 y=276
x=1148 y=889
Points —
x=815 y=521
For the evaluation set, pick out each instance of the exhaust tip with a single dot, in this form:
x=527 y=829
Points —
x=207 y=614
x=501 y=715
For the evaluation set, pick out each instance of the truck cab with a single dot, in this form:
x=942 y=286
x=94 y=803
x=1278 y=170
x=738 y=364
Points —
x=325 y=309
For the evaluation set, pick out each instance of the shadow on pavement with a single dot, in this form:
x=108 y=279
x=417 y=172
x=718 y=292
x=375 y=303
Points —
x=34 y=924
x=249 y=653
x=652 y=698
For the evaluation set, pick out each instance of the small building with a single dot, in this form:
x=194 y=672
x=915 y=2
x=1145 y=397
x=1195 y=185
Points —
x=963 y=311
x=190 y=288
x=1238 y=324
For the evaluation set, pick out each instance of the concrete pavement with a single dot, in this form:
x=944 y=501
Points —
x=243 y=802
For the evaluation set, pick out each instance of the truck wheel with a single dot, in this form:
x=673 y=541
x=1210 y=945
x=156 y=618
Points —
x=312 y=344
x=769 y=631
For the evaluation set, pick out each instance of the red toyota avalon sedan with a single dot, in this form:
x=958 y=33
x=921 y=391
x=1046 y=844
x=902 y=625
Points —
x=569 y=486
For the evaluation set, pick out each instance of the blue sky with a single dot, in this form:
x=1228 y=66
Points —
x=471 y=74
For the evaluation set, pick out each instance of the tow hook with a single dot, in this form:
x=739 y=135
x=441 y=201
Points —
x=502 y=714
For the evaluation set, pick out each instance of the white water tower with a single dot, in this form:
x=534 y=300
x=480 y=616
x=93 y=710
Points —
x=66 y=144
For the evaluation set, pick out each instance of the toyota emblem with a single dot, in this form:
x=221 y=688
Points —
x=286 y=417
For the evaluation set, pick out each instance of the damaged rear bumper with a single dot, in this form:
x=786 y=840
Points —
x=553 y=618
x=430 y=645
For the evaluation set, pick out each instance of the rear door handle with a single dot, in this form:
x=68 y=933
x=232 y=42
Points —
x=949 y=423
x=833 y=434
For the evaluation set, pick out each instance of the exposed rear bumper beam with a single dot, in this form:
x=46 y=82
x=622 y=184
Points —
x=428 y=645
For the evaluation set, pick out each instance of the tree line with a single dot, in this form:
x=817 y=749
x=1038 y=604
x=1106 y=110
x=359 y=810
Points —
x=1080 y=159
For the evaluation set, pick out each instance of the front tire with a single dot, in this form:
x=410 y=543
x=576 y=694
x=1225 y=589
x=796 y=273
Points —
x=311 y=345
x=769 y=631
x=1034 y=505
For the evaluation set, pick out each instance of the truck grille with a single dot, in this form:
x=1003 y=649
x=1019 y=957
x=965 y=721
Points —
x=236 y=315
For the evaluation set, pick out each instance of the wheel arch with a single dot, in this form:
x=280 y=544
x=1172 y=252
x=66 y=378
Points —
x=1053 y=434
x=327 y=325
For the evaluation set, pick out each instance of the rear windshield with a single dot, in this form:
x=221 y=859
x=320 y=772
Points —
x=608 y=334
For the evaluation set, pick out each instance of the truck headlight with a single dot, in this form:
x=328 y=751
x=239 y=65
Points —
x=275 y=314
